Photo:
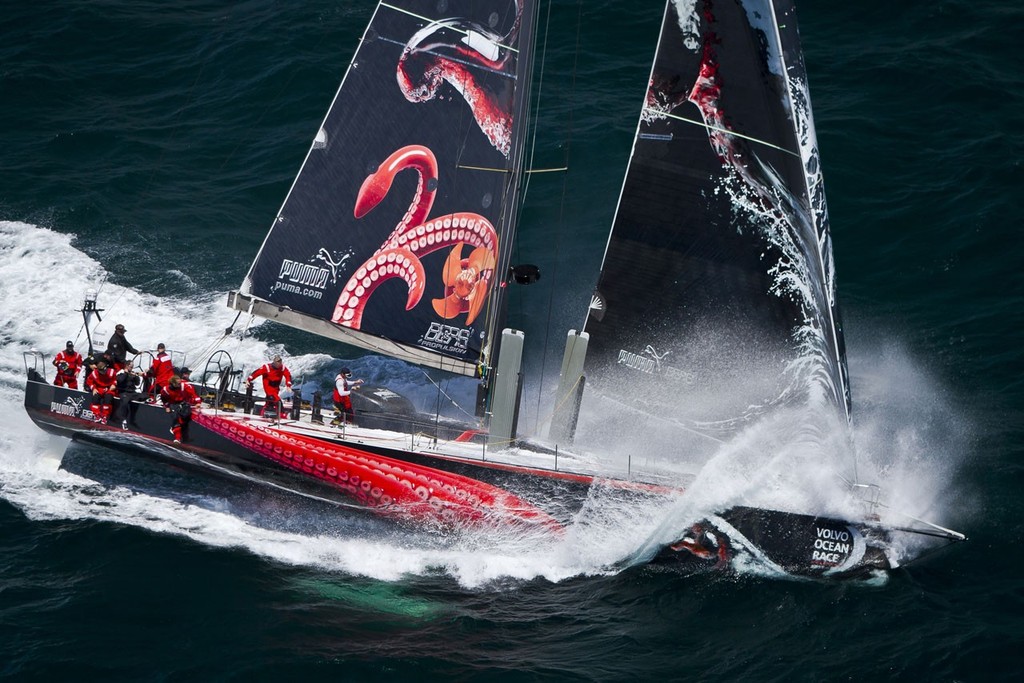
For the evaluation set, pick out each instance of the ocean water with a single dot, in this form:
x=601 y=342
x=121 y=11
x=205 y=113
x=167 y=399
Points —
x=146 y=148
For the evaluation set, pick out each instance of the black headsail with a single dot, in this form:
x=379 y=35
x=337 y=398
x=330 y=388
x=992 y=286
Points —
x=395 y=232
x=716 y=300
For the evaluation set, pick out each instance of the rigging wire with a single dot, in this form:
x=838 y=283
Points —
x=442 y=392
x=466 y=131
x=206 y=353
x=536 y=106
x=945 y=533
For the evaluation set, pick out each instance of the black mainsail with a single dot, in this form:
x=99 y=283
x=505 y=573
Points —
x=716 y=298
x=394 y=234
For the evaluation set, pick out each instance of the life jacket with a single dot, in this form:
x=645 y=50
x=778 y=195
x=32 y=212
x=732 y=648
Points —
x=272 y=375
x=162 y=368
x=73 y=359
x=342 y=391
x=183 y=394
x=102 y=380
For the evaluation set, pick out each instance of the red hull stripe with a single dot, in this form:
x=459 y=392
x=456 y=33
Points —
x=389 y=485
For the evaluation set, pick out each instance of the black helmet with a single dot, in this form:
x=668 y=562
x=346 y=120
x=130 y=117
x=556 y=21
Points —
x=345 y=372
x=184 y=371
x=70 y=345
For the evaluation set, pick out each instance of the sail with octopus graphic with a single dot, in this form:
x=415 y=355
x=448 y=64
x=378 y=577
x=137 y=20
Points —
x=716 y=298
x=394 y=234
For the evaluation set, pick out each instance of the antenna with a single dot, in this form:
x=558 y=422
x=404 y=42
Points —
x=89 y=310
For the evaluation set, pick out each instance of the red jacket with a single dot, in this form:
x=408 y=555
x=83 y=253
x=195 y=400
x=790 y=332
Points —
x=162 y=368
x=101 y=380
x=73 y=359
x=272 y=375
x=183 y=394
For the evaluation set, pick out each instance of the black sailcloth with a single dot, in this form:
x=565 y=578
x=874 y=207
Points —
x=717 y=288
x=395 y=231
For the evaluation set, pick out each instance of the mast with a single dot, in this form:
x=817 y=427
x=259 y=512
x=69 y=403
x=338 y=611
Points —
x=513 y=199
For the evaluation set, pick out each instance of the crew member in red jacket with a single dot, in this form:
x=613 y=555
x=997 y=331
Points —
x=161 y=370
x=178 y=398
x=101 y=382
x=68 y=363
x=272 y=374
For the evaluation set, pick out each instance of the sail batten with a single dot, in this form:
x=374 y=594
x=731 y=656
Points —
x=702 y=124
x=390 y=238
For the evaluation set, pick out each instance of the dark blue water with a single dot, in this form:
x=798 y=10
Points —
x=146 y=147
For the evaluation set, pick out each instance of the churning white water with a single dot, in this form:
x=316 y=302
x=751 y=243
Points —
x=909 y=444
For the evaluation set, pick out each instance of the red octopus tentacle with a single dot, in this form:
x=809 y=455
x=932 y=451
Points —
x=461 y=227
x=492 y=119
x=382 y=266
x=378 y=183
x=415 y=237
x=454 y=51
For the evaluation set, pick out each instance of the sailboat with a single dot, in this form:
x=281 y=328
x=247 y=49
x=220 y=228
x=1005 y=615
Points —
x=714 y=315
